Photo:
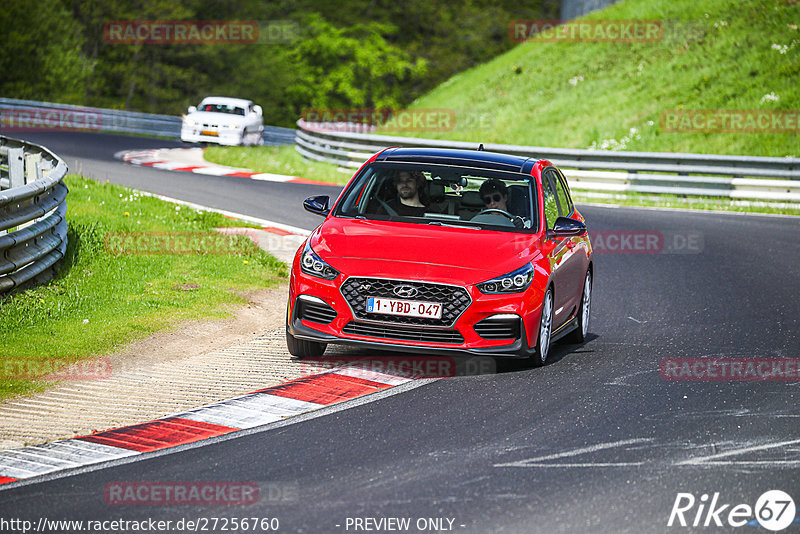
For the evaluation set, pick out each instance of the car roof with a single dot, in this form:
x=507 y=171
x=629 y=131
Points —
x=467 y=158
x=226 y=101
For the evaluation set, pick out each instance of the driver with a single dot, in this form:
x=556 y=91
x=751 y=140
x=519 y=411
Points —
x=494 y=194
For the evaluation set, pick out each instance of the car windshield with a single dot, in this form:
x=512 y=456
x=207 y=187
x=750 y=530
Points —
x=221 y=108
x=441 y=195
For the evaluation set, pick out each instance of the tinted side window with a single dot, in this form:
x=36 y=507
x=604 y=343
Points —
x=564 y=202
x=550 y=202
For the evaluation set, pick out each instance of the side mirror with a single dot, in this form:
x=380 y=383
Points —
x=318 y=205
x=258 y=110
x=192 y=109
x=566 y=227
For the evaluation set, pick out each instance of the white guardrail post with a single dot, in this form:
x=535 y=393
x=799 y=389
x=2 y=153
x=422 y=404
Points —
x=733 y=177
x=33 y=208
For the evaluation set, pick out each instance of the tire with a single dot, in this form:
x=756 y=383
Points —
x=579 y=334
x=301 y=348
x=540 y=352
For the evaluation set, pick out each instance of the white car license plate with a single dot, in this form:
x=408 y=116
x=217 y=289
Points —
x=407 y=308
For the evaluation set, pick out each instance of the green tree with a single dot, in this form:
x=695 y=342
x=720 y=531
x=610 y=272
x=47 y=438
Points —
x=364 y=54
x=356 y=66
x=42 y=54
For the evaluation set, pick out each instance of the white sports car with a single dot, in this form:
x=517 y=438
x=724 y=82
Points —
x=223 y=120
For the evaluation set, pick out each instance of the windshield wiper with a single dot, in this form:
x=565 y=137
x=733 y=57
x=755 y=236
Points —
x=463 y=224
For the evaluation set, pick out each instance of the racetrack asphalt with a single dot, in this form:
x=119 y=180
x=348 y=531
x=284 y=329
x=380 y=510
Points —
x=596 y=441
x=92 y=155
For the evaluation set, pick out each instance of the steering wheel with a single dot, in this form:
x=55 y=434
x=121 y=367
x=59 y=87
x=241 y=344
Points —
x=518 y=221
x=496 y=210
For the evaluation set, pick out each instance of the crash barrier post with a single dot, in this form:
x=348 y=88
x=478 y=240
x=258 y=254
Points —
x=33 y=207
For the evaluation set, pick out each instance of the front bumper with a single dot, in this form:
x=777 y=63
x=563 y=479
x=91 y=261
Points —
x=514 y=350
x=225 y=136
x=459 y=338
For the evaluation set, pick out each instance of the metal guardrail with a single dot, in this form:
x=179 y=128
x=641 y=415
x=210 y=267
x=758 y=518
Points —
x=21 y=115
x=734 y=177
x=33 y=225
x=572 y=9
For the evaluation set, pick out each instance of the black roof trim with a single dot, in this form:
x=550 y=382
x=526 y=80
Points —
x=467 y=158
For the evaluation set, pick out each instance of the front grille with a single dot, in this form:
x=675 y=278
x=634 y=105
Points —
x=498 y=328
x=454 y=300
x=316 y=312
x=404 y=333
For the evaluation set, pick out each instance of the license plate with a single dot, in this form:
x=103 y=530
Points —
x=406 y=308
x=209 y=132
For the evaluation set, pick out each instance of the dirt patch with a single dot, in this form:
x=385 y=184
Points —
x=265 y=310
x=191 y=365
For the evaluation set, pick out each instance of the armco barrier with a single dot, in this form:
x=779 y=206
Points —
x=572 y=9
x=734 y=177
x=31 y=115
x=33 y=226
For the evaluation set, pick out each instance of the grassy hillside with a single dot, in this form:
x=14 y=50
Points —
x=715 y=54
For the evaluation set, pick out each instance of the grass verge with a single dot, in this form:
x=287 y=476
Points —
x=101 y=300
x=278 y=160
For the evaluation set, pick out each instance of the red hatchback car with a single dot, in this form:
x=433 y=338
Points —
x=440 y=251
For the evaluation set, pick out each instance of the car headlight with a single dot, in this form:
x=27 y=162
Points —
x=513 y=282
x=188 y=122
x=233 y=126
x=312 y=264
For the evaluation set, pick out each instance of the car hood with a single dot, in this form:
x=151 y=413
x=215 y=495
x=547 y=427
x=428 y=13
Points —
x=420 y=251
x=216 y=118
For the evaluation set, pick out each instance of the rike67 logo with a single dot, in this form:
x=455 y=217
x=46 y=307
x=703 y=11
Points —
x=774 y=510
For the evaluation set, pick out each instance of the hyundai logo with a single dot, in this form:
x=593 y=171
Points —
x=405 y=291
